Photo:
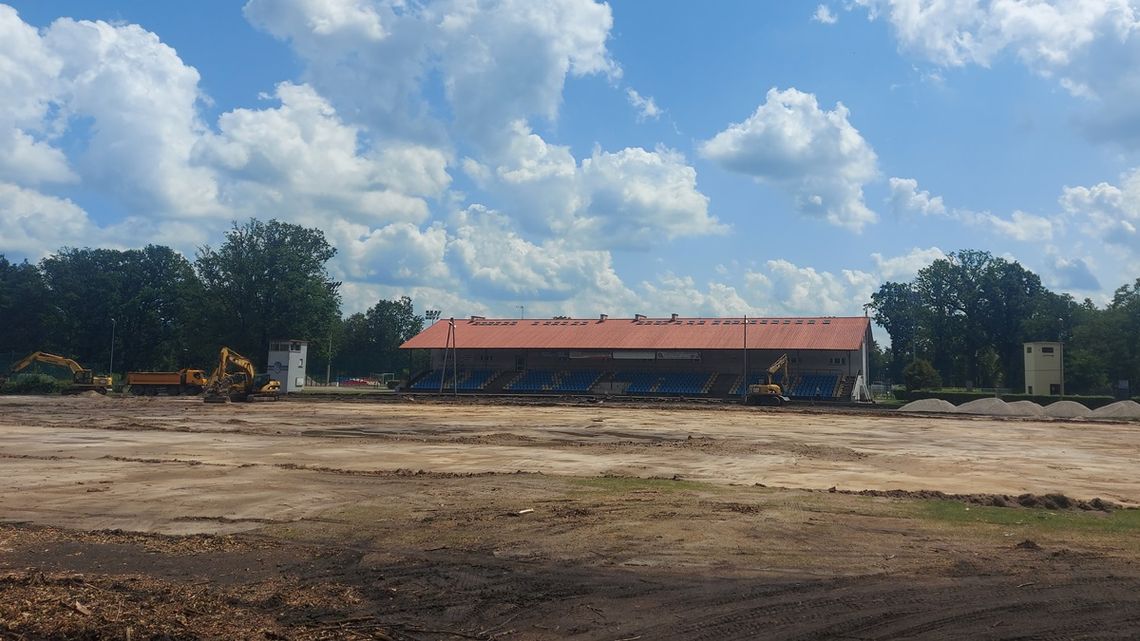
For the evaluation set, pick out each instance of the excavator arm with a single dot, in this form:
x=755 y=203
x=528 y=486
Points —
x=82 y=378
x=770 y=393
x=50 y=359
x=235 y=378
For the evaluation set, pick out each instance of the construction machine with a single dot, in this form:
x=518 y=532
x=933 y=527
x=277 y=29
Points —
x=235 y=379
x=82 y=379
x=769 y=392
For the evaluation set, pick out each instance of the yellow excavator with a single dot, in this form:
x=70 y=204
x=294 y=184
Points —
x=770 y=393
x=82 y=379
x=235 y=379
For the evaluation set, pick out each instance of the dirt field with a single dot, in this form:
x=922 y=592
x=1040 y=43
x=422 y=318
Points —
x=141 y=518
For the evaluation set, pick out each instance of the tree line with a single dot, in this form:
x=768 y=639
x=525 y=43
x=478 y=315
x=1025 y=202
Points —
x=967 y=316
x=157 y=310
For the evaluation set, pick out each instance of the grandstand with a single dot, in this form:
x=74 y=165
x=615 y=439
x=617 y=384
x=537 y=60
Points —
x=650 y=357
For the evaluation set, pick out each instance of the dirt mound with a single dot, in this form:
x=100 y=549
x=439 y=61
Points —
x=1119 y=409
x=928 y=405
x=986 y=406
x=1026 y=408
x=1066 y=409
x=1045 y=501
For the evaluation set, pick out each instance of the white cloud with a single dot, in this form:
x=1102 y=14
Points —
x=673 y=294
x=1044 y=35
x=300 y=161
x=1107 y=212
x=1090 y=48
x=1020 y=226
x=907 y=266
x=498 y=263
x=506 y=60
x=142 y=100
x=334 y=19
x=823 y=15
x=906 y=199
x=646 y=108
x=499 y=61
x=815 y=155
x=632 y=198
x=35 y=224
x=1072 y=273
x=789 y=289
x=396 y=254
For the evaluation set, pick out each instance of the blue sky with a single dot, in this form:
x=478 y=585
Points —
x=576 y=157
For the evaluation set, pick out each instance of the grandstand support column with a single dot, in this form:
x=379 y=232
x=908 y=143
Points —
x=744 y=388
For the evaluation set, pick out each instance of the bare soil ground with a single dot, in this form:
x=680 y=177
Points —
x=142 y=518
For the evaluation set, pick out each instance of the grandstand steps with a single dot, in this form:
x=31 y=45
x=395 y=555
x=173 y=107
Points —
x=846 y=387
x=723 y=384
x=496 y=384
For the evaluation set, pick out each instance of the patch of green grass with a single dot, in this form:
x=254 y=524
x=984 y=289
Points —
x=1115 y=522
x=634 y=484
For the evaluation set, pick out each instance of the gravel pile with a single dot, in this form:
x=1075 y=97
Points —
x=1119 y=409
x=936 y=405
x=1026 y=408
x=1066 y=409
x=986 y=407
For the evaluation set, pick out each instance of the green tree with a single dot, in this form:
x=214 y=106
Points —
x=143 y=297
x=268 y=281
x=372 y=340
x=26 y=310
x=920 y=374
x=897 y=310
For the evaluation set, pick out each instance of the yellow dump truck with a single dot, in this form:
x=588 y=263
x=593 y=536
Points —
x=185 y=381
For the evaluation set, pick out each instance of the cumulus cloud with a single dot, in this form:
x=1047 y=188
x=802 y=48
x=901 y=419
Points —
x=1107 y=212
x=499 y=263
x=300 y=160
x=906 y=199
x=646 y=108
x=1044 y=35
x=1091 y=48
x=506 y=60
x=794 y=290
x=33 y=224
x=815 y=155
x=823 y=15
x=499 y=61
x=632 y=198
x=674 y=294
x=1072 y=273
x=906 y=266
x=143 y=101
x=396 y=254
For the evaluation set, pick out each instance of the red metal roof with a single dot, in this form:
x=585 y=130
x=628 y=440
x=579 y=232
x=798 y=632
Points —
x=820 y=333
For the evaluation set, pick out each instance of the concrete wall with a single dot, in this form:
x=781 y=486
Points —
x=1043 y=368
x=287 y=362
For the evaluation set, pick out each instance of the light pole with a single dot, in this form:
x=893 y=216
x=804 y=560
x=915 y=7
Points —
x=432 y=315
x=1061 y=341
x=111 y=367
x=522 y=311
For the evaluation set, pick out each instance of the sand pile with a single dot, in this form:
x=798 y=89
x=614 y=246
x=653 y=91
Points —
x=1066 y=409
x=987 y=407
x=1026 y=408
x=928 y=405
x=1119 y=409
